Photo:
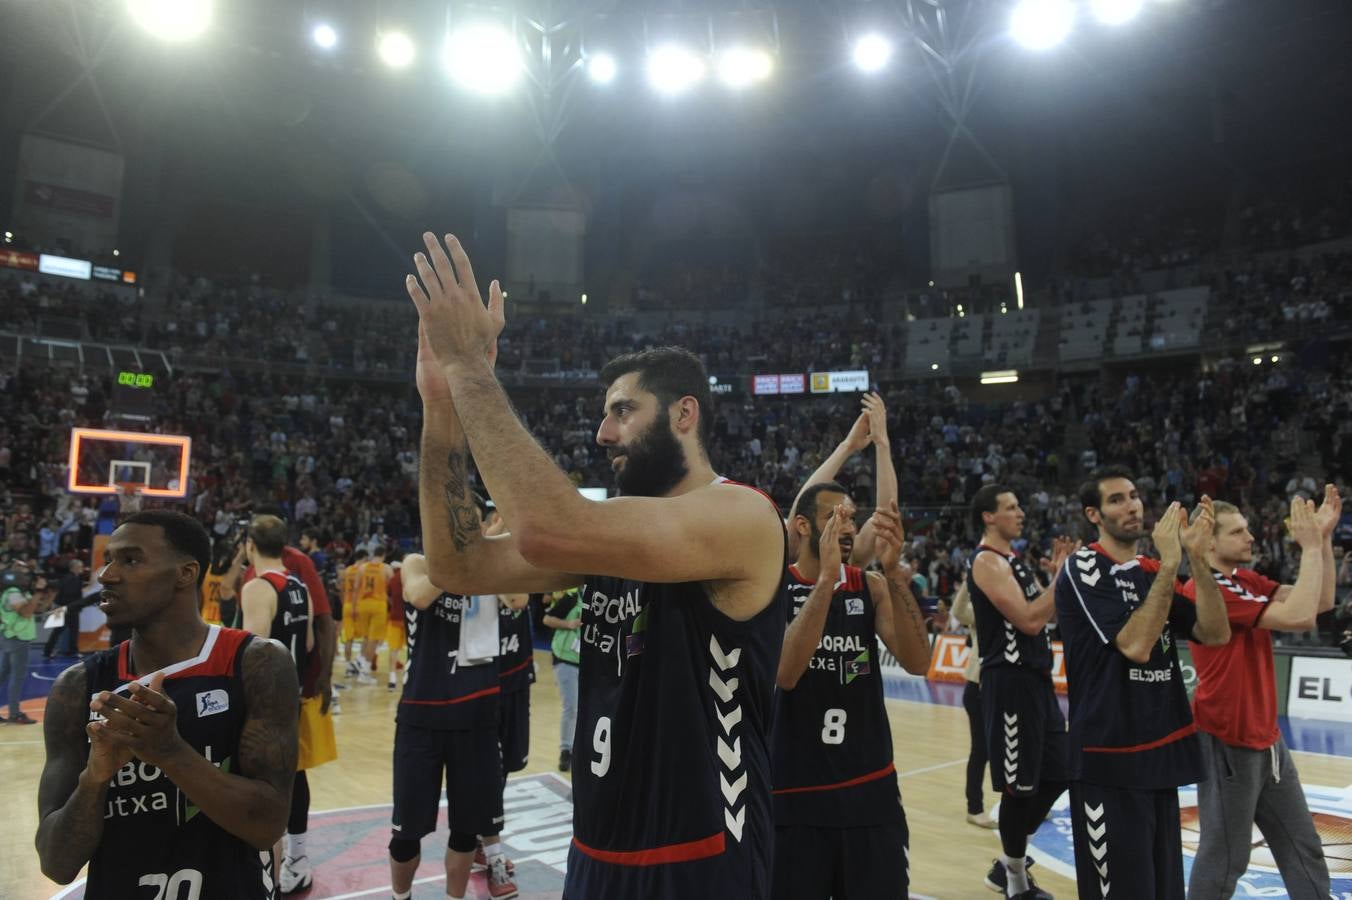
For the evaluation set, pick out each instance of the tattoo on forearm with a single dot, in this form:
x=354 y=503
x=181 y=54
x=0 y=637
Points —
x=902 y=590
x=463 y=516
x=267 y=743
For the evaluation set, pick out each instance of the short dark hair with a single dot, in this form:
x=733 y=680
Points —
x=807 y=503
x=360 y=553
x=312 y=534
x=669 y=373
x=986 y=500
x=269 y=535
x=187 y=536
x=1091 y=497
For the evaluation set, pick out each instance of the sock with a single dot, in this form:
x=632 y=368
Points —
x=454 y=897
x=493 y=850
x=295 y=845
x=1017 y=876
x=405 y=895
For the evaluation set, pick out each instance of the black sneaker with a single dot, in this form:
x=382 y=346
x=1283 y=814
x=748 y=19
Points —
x=21 y=719
x=997 y=879
x=565 y=760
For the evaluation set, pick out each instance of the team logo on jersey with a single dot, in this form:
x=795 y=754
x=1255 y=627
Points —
x=633 y=644
x=854 y=606
x=856 y=667
x=210 y=703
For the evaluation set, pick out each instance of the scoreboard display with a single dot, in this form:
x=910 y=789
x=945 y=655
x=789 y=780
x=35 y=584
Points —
x=133 y=395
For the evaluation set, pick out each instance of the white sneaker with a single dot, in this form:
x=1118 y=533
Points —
x=335 y=707
x=297 y=875
x=351 y=669
x=364 y=678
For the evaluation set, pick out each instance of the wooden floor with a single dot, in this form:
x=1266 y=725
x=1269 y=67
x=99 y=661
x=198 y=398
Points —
x=948 y=856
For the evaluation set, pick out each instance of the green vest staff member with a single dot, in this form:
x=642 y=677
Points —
x=18 y=629
x=565 y=617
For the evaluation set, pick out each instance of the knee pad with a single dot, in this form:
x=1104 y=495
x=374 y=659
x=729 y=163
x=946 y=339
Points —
x=403 y=850
x=461 y=842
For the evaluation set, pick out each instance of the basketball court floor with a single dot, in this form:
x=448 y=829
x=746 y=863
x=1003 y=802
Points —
x=350 y=819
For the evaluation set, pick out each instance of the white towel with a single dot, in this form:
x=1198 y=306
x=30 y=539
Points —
x=479 y=631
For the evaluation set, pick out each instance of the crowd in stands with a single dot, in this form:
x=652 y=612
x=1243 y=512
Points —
x=342 y=457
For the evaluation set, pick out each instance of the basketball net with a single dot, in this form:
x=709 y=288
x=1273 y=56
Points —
x=129 y=496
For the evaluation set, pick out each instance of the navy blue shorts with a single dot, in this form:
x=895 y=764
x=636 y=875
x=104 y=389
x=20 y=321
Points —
x=742 y=871
x=813 y=863
x=1026 y=736
x=1127 y=841
x=469 y=758
x=514 y=729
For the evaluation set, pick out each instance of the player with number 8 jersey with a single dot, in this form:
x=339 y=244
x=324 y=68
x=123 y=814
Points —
x=840 y=829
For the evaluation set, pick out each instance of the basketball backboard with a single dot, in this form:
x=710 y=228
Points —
x=102 y=460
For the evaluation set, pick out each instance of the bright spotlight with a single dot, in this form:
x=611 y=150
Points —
x=324 y=36
x=1041 y=24
x=672 y=69
x=172 y=20
x=483 y=58
x=1116 y=12
x=872 y=52
x=740 y=67
x=601 y=68
x=396 y=49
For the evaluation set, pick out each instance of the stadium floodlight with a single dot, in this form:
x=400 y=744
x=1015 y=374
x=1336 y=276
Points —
x=740 y=67
x=172 y=20
x=1116 y=12
x=395 y=49
x=483 y=58
x=1001 y=376
x=872 y=52
x=934 y=367
x=324 y=36
x=601 y=68
x=1041 y=24
x=672 y=69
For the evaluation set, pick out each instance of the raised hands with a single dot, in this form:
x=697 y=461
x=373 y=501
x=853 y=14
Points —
x=455 y=327
x=1165 y=535
x=876 y=411
x=1330 y=511
x=1197 y=536
x=890 y=535
x=828 y=548
x=1306 y=528
x=1062 y=549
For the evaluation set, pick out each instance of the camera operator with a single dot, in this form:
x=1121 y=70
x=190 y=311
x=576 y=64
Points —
x=21 y=598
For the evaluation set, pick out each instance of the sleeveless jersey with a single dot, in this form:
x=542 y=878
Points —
x=350 y=584
x=211 y=598
x=832 y=745
x=1001 y=643
x=371 y=583
x=439 y=693
x=156 y=843
x=291 y=621
x=516 y=659
x=671 y=760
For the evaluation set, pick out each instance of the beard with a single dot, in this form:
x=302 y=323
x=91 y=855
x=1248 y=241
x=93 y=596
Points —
x=654 y=462
x=815 y=545
x=1120 y=532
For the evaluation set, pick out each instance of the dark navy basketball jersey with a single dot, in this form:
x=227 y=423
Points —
x=156 y=843
x=1001 y=643
x=440 y=693
x=1130 y=724
x=671 y=767
x=832 y=744
x=516 y=659
x=292 y=619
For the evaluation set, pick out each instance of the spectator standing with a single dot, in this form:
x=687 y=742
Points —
x=18 y=605
x=565 y=617
x=971 y=702
x=69 y=594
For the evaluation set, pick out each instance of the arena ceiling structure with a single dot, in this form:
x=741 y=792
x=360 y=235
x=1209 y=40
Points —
x=369 y=111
